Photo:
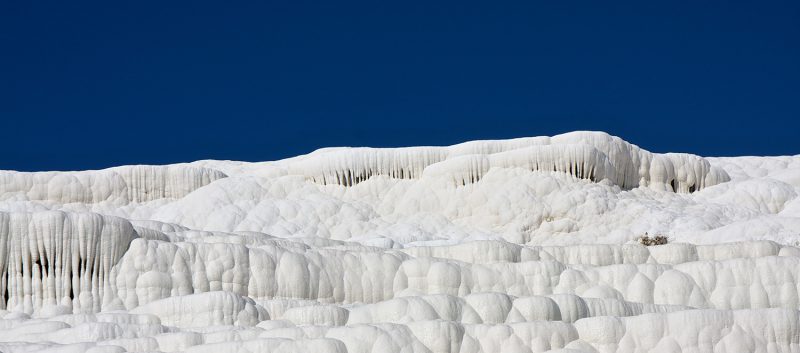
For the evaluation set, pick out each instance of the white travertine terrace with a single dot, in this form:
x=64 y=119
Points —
x=593 y=156
x=139 y=183
x=523 y=245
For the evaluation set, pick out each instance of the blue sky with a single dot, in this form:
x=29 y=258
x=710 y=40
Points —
x=92 y=85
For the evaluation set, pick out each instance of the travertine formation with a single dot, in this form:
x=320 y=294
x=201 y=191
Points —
x=524 y=245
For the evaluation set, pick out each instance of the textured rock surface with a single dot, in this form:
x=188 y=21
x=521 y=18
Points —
x=524 y=245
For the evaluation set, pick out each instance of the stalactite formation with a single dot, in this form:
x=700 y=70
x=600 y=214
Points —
x=56 y=258
x=590 y=156
x=120 y=185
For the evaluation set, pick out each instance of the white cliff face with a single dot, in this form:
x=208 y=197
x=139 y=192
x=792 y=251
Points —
x=524 y=245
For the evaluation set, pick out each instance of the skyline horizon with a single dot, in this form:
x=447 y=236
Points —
x=100 y=84
x=396 y=147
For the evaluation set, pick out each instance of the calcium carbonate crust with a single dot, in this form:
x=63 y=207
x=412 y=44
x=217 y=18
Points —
x=523 y=245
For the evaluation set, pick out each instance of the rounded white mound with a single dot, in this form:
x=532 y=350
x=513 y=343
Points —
x=523 y=245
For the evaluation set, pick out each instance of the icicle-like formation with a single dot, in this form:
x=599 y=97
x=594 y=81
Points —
x=353 y=165
x=56 y=258
x=139 y=183
x=593 y=156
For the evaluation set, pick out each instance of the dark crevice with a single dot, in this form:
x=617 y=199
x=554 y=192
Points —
x=71 y=291
x=6 y=295
x=41 y=268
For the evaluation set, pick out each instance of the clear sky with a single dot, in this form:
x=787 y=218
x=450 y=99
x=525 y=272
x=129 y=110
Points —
x=91 y=85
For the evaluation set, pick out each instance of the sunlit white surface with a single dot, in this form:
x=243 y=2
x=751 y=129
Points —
x=524 y=245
